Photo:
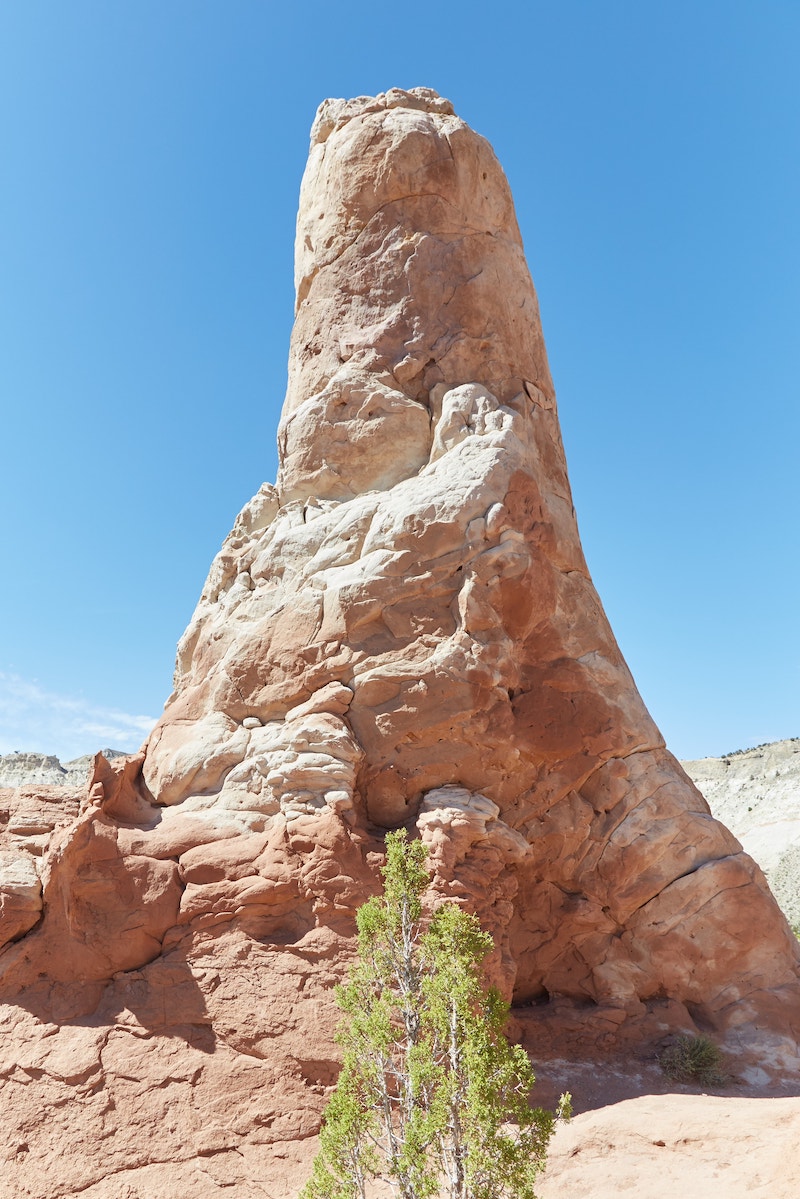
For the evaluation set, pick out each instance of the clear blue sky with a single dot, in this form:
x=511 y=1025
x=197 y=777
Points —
x=151 y=157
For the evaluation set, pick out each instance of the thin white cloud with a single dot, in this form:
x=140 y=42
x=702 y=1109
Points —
x=40 y=721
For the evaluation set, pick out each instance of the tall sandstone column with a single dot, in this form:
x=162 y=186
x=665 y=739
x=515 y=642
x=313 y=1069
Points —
x=416 y=583
x=403 y=631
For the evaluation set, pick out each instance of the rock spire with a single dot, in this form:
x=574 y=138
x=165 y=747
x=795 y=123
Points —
x=402 y=631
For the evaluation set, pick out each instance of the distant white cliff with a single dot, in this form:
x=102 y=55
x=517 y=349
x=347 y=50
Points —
x=756 y=793
x=32 y=769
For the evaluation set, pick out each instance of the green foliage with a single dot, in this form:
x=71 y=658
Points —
x=431 y=1097
x=694 y=1059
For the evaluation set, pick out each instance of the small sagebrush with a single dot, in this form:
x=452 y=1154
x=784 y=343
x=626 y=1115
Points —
x=694 y=1059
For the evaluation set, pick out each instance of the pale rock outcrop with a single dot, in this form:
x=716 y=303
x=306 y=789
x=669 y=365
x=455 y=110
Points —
x=33 y=769
x=756 y=793
x=402 y=632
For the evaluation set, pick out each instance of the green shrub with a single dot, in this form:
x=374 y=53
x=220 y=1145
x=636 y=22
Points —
x=694 y=1059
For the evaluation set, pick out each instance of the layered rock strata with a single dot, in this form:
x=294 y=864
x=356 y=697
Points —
x=402 y=631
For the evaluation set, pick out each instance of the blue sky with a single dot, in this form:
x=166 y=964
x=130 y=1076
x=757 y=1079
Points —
x=151 y=158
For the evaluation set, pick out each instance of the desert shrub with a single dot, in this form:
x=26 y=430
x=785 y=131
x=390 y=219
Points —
x=694 y=1059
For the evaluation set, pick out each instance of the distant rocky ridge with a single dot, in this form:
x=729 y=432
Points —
x=756 y=793
x=21 y=769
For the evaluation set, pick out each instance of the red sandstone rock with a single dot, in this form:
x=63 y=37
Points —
x=403 y=631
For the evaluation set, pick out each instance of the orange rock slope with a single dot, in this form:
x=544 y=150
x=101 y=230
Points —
x=402 y=631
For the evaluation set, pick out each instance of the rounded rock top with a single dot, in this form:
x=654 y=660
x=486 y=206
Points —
x=333 y=114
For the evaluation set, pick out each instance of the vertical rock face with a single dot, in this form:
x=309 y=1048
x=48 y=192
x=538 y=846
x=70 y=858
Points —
x=402 y=631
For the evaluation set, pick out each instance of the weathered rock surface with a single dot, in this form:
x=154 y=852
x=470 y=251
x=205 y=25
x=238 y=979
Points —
x=402 y=631
x=756 y=793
